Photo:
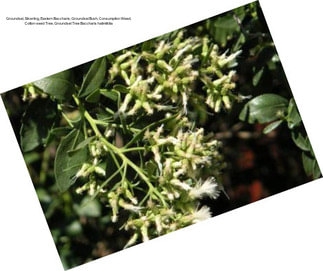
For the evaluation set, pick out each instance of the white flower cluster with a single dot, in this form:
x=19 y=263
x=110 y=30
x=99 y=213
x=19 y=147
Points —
x=172 y=71
x=183 y=162
x=176 y=163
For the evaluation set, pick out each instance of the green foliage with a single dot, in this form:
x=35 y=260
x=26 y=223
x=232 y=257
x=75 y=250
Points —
x=223 y=28
x=37 y=123
x=293 y=117
x=272 y=126
x=94 y=78
x=59 y=85
x=89 y=208
x=302 y=142
x=264 y=108
x=274 y=109
x=126 y=146
x=68 y=163
x=157 y=169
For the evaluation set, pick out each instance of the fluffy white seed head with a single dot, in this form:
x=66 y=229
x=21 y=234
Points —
x=207 y=188
x=201 y=214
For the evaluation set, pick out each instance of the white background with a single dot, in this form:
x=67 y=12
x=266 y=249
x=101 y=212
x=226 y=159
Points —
x=282 y=232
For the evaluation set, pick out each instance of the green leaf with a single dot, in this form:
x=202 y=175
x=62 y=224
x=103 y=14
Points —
x=151 y=168
x=104 y=116
x=272 y=126
x=89 y=208
x=43 y=196
x=93 y=97
x=302 y=142
x=223 y=29
x=308 y=164
x=59 y=85
x=66 y=166
x=293 y=117
x=94 y=77
x=256 y=78
x=57 y=133
x=264 y=56
x=60 y=131
x=73 y=229
x=264 y=108
x=147 y=45
x=111 y=58
x=311 y=166
x=121 y=88
x=81 y=145
x=109 y=94
x=238 y=44
x=316 y=170
x=32 y=157
x=37 y=121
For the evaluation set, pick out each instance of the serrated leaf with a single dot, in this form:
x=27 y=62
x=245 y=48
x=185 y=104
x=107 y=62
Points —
x=66 y=166
x=302 y=142
x=272 y=126
x=94 y=77
x=264 y=108
x=37 y=121
x=59 y=85
x=293 y=117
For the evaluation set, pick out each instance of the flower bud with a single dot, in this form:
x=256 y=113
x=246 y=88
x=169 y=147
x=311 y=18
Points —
x=132 y=240
x=100 y=171
x=226 y=101
x=125 y=77
x=121 y=58
x=163 y=65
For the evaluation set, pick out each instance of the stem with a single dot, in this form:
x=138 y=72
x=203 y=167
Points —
x=92 y=123
x=108 y=180
x=133 y=149
x=123 y=180
x=114 y=125
x=135 y=168
x=84 y=129
x=118 y=151
x=69 y=122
